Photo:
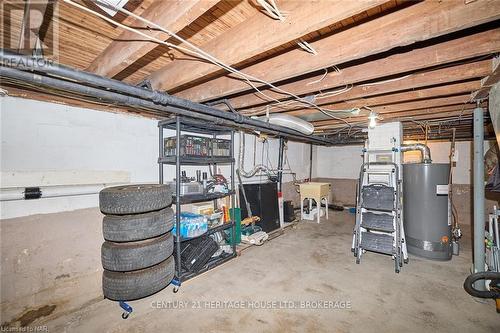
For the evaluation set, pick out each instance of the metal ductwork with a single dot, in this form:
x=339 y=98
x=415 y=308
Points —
x=426 y=152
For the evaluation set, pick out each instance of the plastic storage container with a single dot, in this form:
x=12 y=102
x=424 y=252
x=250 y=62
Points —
x=192 y=225
x=191 y=145
x=221 y=148
x=235 y=213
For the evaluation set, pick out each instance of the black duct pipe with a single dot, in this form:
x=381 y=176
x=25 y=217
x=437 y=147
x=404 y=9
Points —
x=129 y=101
x=143 y=97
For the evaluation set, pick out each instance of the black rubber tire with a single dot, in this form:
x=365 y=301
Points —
x=128 y=228
x=134 y=199
x=129 y=286
x=469 y=284
x=131 y=256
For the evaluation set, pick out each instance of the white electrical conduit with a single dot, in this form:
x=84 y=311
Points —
x=17 y=193
x=198 y=53
x=271 y=8
x=307 y=47
x=293 y=104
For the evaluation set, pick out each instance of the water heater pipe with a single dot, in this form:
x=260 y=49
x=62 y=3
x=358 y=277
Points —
x=426 y=152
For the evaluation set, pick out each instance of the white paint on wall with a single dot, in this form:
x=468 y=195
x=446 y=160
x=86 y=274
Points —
x=12 y=179
x=57 y=140
x=45 y=143
x=337 y=162
x=344 y=161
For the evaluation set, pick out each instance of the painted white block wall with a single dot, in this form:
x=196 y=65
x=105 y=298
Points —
x=344 y=161
x=72 y=143
x=337 y=162
x=53 y=139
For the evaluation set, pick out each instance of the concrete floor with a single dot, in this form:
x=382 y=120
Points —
x=308 y=263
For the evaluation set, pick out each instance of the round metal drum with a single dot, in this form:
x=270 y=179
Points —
x=426 y=219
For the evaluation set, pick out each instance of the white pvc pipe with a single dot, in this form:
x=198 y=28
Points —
x=17 y=193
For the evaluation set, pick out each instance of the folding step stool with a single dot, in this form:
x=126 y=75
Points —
x=379 y=226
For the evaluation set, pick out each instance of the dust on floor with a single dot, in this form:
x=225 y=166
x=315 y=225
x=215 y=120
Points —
x=304 y=281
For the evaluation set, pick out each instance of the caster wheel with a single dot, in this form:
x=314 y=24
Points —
x=175 y=290
x=125 y=315
x=357 y=261
x=406 y=261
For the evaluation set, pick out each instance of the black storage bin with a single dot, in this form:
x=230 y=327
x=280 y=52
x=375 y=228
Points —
x=263 y=200
x=288 y=211
x=197 y=252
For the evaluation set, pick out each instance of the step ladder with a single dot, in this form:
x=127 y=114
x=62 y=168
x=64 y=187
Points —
x=379 y=225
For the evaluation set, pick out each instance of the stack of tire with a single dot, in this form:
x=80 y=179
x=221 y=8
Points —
x=137 y=252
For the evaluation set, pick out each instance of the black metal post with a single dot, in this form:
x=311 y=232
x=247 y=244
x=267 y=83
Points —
x=310 y=162
x=233 y=201
x=160 y=154
x=280 y=164
x=178 y=196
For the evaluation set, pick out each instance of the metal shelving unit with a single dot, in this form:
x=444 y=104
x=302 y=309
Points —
x=182 y=124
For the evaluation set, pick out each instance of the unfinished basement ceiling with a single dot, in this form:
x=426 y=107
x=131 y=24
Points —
x=424 y=63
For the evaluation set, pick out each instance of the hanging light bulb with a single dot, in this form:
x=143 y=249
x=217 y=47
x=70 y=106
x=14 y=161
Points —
x=373 y=120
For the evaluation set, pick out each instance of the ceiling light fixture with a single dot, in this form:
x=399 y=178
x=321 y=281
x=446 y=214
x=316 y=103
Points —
x=373 y=120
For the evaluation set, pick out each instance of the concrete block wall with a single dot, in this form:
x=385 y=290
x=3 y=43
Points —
x=50 y=247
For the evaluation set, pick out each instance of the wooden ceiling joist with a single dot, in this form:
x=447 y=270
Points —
x=420 y=107
x=418 y=22
x=357 y=95
x=377 y=102
x=129 y=47
x=460 y=49
x=430 y=114
x=444 y=112
x=416 y=115
x=258 y=35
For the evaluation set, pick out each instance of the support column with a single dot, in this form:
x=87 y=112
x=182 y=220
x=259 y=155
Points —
x=478 y=170
x=280 y=182
x=280 y=164
x=310 y=162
